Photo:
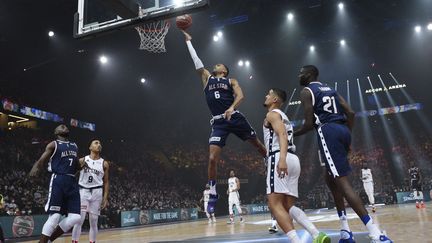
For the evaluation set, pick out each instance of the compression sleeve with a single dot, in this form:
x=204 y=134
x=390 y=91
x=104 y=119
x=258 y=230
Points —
x=198 y=63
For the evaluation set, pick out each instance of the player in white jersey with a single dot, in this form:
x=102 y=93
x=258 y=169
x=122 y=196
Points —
x=283 y=170
x=94 y=188
x=368 y=185
x=234 y=197
x=205 y=199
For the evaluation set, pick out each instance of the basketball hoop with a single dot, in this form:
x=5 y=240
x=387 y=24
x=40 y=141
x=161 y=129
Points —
x=153 y=36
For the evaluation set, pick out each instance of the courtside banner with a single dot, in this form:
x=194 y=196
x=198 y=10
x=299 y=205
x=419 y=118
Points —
x=22 y=226
x=410 y=197
x=257 y=208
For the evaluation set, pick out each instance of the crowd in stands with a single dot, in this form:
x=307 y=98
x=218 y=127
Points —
x=173 y=175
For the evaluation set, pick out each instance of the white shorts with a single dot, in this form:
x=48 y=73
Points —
x=369 y=188
x=205 y=206
x=287 y=185
x=91 y=200
x=234 y=200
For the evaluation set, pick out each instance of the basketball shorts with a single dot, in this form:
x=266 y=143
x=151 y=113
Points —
x=91 y=200
x=369 y=188
x=238 y=125
x=234 y=200
x=63 y=195
x=287 y=185
x=334 y=142
x=205 y=206
x=415 y=185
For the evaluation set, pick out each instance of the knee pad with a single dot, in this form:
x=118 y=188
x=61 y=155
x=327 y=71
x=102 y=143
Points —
x=67 y=223
x=51 y=224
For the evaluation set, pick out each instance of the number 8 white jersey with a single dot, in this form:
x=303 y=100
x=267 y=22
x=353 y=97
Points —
x=92 y=174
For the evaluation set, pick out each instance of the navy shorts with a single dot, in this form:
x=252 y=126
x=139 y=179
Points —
x=63 y=196
x=334 y=142
x=238 y=125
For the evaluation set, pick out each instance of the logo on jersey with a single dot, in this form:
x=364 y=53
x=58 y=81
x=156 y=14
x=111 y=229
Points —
x=55 y=208
x=215 y=139
x=218 y=86
x=325 y=88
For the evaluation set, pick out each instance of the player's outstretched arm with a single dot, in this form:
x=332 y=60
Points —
x=37 y=167
x=306 y=100
x=239 y=96
x=348 y=112
x=105 y=184
x=276 y=122
x=199 y=66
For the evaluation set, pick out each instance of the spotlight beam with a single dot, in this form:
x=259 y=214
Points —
x=365 y=120
x=424 y=120
x=289 y=101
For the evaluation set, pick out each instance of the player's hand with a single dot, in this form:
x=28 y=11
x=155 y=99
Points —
x=228 y=113
x=34 y=171
x=104 y=203
x=187 y=35
x=282 y=168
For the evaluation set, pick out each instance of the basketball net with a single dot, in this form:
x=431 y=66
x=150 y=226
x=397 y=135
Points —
x=153 y=36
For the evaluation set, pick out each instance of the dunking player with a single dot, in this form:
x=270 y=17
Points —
x=283 y=170
x=223 y=96
x=334 y=120
x=93 y=182
x=63 y=197
x=415 y=179
x=234 y=197
x=206 y=195
x=368 y=185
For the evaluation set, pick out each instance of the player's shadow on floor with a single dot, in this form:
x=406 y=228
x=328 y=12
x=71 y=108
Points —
x=360 y=237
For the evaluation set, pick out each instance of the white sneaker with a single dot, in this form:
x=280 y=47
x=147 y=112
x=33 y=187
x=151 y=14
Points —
x=214 y=220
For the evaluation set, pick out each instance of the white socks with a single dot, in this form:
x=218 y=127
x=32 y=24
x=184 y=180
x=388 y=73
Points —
x=293 y=237
x=344 y=223
x=373 y=229
x=301 y=218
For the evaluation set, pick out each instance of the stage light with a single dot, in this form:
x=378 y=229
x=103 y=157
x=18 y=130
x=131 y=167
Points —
x=240 y=63
x=143 y=80
x=51 y=33
x=247 y=63
x=219 y=33
x=178 y=3
x=340 y=6
x=103 y=59
x=429 y=26
x=215 y=38
x=312 y=48
x=342 y=42
x=418 y=29
x=290 y=16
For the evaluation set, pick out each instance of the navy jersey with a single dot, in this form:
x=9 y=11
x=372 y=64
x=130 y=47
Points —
x=326 y=105
x=64 y=160
x=219 y=95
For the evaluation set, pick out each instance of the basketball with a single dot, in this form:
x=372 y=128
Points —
x=184 y=21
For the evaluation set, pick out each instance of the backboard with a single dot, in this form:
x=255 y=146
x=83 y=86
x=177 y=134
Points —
x=95 y=17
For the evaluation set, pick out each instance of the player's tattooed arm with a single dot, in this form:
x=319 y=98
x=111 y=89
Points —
x=199 y=66
x=306 y=100
x=38 y=166
x=239 y=96
x=348 y=112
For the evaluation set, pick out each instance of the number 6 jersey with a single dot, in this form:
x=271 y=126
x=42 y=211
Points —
x=219 y=95
x=325 y=102
x=92 y=175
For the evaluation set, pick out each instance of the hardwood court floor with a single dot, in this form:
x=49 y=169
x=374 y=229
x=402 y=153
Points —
x=403 y=223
